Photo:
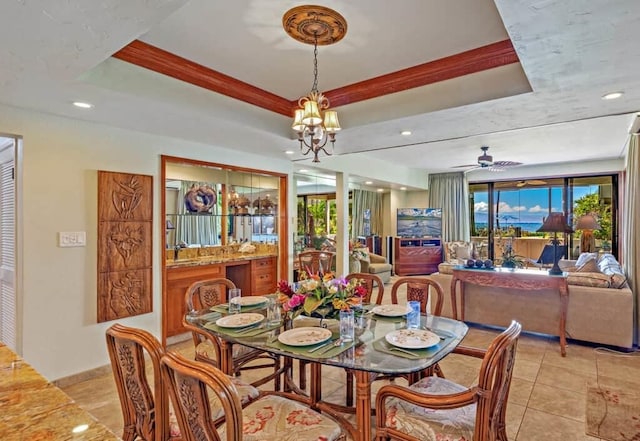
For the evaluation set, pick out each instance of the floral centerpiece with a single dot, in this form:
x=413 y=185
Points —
x=320 y=294
x=509 y=258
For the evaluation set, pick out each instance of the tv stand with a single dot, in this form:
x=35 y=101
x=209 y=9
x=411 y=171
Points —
x=414 y=256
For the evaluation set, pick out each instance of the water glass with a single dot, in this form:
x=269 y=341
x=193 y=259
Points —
x=347 y=326
x=274 y=316
x=234 y=300
x=413 y=316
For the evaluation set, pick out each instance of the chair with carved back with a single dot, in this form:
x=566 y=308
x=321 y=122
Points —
x=314 y=262
x=193 y=385
x=201 y=296
x=440 y=407
x=145 y=407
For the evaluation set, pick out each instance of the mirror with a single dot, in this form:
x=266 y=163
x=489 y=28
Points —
x=211 y=206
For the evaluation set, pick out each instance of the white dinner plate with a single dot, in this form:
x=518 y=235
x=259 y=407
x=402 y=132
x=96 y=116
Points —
x=305 y=336
x=249 y=300
x=240 y=320
x=391 y=310
x=412 y=338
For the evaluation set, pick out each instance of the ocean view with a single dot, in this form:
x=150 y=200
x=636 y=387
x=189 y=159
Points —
x=525 y=226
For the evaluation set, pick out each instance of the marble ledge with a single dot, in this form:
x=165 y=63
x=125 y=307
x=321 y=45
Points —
x=180 y=263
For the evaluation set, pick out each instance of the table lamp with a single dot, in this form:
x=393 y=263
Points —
x=587 y=223
x=555 y=223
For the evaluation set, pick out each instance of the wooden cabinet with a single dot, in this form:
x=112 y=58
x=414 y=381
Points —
x=416 y=256
x=254 y=277
x=263 y=276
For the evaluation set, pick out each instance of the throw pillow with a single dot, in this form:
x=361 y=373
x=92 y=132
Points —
x=607 y=264
x=568 y=266
x=464 y=252
x=594 y=280
x=587 y=263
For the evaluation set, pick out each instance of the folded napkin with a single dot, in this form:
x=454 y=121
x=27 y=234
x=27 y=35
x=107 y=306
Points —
x=224 y=308
x=324 y=352
x=242 y=332
x=382 y=345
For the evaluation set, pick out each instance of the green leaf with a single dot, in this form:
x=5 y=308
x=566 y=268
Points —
x=311 y=304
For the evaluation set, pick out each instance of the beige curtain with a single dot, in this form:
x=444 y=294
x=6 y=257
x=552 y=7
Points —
x=363 y=200
x=450 y=192
x=631 y=226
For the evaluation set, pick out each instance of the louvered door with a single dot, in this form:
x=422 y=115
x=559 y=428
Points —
x=8 y=303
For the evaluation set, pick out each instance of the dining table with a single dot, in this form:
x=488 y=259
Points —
x=383 y=346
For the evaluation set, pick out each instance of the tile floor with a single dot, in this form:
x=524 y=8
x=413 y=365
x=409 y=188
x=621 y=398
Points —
x=547 y=399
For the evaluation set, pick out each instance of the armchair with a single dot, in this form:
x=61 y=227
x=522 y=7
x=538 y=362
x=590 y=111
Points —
x=377 y=265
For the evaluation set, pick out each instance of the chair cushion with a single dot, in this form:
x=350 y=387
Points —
x=429 y=424
x=277 y=418
x=377 y=268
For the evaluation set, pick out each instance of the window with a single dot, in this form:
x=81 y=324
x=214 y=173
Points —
x=516 y=209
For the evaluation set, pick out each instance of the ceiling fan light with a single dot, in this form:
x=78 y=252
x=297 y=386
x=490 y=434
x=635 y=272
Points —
x=485 y=160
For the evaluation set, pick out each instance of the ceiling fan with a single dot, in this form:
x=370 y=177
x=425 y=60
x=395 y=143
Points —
x=485 y=160
x=531 y=182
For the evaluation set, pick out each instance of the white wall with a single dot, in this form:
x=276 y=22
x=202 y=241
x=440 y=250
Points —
x=61 y=160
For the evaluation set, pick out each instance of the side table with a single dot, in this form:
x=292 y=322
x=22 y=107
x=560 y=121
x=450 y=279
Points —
x=525 y=280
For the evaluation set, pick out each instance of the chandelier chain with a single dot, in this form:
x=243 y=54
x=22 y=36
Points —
x=314 y=88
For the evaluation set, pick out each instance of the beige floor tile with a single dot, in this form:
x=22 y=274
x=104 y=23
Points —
x=563 y=378
x=526 y=370
x=520 y=391
x=515 y=413
x=542 y=426
x=579 y=358
x=562 y=402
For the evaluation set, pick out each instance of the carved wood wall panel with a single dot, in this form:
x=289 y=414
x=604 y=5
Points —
x=125 y=217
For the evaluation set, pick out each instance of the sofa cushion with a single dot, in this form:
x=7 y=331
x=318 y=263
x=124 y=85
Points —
x=458 y=251
x=595 y=279
x=607 y=264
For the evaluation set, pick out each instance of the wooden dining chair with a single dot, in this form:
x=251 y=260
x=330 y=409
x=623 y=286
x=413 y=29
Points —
x=145 y=407
x=270 y=417
x=203 y=295
x=314 y=262
x=372 y=283
x=438 y=408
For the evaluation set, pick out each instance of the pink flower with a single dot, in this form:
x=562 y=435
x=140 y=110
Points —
x=295 y=301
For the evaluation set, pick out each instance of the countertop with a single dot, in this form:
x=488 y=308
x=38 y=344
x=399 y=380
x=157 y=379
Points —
x=34 y=409
x=210 y=260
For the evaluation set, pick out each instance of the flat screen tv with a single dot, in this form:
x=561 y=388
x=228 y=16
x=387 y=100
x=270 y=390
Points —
x=419 y=222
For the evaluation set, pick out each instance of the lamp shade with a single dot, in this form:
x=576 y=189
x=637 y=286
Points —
x=587 y=222
x=555 y=223
x=311 y=116
x=297 y=125
x=331 y=123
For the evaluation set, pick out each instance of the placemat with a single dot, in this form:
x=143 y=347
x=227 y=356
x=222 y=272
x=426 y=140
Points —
x=304 y=350
x=224 y=308
x=382 y=345
x=242 y=332
x=384 y=318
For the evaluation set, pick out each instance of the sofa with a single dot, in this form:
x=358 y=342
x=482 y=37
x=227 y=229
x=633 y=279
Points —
x=600 y=308
x=378 y=265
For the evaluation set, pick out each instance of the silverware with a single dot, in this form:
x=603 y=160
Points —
x=328 y=342
x=394 y=348
x=251 y=328
x=335 y=344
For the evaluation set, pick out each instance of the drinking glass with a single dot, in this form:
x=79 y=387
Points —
x=413 y=316
x=273 y=312
x=347 y=326
x=234 y=300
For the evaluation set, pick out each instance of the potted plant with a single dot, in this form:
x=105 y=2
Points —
x=509 y=258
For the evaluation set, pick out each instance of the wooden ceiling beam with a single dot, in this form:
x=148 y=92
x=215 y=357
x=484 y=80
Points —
x=475 y=60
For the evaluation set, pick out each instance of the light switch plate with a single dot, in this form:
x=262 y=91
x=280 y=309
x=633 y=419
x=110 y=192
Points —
x=72 y=239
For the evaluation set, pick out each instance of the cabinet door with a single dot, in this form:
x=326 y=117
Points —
x=263 y=276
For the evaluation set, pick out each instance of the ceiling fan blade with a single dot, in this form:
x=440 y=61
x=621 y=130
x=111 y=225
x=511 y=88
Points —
x=521 y=184
x=465 y=166
x=506 y=163
x=536 y=182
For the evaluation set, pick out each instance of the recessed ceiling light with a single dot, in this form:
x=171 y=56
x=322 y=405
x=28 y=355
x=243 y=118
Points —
x=289 y=152
x=303 y=170
x=82 y=105
x=403 y=188
x=405 y=132
x=380 y=190
x=612 y=95
x=368 y=182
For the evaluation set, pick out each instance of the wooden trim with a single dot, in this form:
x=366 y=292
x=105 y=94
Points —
x=475 y=60
x=464 y=63
x=158 y=60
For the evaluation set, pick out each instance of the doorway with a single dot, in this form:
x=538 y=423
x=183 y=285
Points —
x=9 y=305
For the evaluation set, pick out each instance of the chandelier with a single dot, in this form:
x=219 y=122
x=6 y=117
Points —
x=314 y=122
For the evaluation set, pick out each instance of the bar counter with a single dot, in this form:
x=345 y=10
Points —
x=31 y=408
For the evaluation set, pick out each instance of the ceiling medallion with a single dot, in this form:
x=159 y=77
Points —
x=306 y=23
x=314 y=123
